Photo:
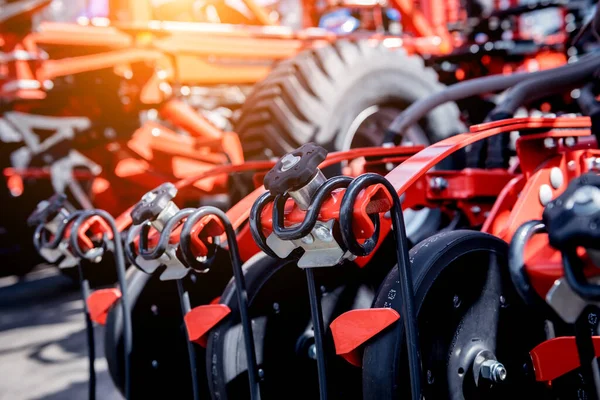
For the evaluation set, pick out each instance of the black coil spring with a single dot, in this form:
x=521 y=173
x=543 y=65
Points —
x=76 y=220
x=188 y=258
x=349 y=241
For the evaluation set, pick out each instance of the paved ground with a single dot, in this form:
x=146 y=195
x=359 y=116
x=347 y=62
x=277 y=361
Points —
x=43 y=352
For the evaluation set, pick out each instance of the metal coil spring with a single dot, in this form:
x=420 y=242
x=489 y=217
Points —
x=188 y=258
x=76 y=220
x=353 y=189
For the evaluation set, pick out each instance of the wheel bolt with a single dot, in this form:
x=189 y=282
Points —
x=456 y=301
x=493 y=370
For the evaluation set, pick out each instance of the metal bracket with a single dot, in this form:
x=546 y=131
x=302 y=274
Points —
x=53 y=255
x=25 y=125
x=565 y=302
x=320 y=247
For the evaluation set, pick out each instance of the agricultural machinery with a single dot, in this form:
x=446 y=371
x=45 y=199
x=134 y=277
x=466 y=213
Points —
x=377 y=271
x=135 y=93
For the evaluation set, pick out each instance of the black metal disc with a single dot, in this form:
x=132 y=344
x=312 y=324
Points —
x=450 y=270
x=279 y=307
x=159 y=360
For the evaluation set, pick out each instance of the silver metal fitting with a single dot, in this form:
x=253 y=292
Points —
x=288 y=161
x=438 y=183
x=164 y=216
x=493 y=370
x=304 y=195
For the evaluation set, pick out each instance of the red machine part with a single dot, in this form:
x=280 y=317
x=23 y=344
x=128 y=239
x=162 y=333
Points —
x=406 y=177
x=518 y=196
x=238 y=214
x=99 y=303
x=200 y=320
x=353 y=328
x=558 y=356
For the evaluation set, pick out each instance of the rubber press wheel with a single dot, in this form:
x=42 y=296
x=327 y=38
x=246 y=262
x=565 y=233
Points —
x=280 y=311
x=450 y=270
x=159 y=359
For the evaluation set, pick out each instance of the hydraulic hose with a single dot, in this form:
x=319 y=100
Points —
x=563 y=78
x=516 y=260
x=488 y=84
x=587 y=100
x=238 y=278
x=89 y=330
x=41 y=241
x=120 y=264
x=184 y=300
x=556 y=81
x=409 y=309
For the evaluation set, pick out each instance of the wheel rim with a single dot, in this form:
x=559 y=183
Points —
x=365 y=131
x=443 y=315
x=373 y=120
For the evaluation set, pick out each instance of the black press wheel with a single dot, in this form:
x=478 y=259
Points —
x=455 y=274
x=159 y=360
x=280 y=311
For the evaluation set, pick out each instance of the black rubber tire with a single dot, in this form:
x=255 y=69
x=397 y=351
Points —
x=385 y=374
x=316 y=95
x=287 y=374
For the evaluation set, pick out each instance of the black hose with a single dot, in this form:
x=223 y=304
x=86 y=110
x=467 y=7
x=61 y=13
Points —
x=120 y=265
x=576 y=279
x=587 y=100
x=89 y=330
x=60 y=232
x=164 y=236
x=591 y=107
x=408 y=312
x=461 y=90
x=255 y=223
x=556 y=81
x=319 y=330
x=312 y=213
x=129 y=247
x=184 y=300
x=240 y=285
x=516 y=260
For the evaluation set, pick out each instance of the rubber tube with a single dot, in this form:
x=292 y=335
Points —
x=488 y=84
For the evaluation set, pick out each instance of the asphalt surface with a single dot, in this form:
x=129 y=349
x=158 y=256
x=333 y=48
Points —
x=43 y=350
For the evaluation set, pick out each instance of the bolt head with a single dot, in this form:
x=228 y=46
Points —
x=308 y=239
x=323 y=233
x=545 y=194
x=549 y=143
x=288 y=161
x=438 y=183
x=493 y=370
x=570 y=141
x=556 y=177
x=456 y=301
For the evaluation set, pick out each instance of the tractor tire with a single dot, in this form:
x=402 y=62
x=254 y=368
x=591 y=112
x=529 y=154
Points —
x=330 y=95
